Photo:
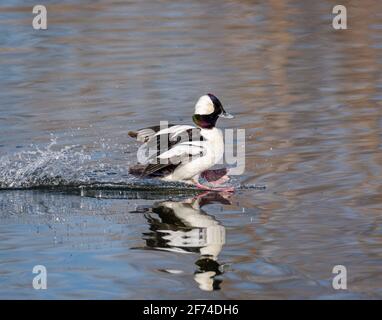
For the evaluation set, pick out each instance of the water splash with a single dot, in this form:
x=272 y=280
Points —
x=74 y=167
x=52 y=166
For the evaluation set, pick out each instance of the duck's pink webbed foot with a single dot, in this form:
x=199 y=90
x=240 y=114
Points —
x=215 y=179
x=220 y=189
x=220 y=181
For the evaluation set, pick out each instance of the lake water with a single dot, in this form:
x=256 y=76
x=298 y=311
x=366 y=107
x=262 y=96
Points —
x=308 y=96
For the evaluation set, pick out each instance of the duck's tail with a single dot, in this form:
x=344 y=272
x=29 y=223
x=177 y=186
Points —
x=132 y=134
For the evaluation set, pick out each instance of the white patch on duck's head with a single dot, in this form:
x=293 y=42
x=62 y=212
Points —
x=204 y=105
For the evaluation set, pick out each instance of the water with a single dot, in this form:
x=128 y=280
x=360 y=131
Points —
x=309 y=98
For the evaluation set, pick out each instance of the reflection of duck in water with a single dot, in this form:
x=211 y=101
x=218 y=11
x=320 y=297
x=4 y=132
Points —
x=184 y=227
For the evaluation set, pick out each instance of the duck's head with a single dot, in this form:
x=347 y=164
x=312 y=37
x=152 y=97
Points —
x=207 y=111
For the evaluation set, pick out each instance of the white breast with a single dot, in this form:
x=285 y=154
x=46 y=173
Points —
x=214 y=144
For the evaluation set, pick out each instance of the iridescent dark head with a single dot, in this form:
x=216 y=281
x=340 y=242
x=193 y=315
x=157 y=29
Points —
x=207 y=111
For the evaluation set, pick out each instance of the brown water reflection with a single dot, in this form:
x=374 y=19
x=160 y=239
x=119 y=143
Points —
x=308 y=96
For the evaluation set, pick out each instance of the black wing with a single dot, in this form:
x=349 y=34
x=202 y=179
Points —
x=158 y=144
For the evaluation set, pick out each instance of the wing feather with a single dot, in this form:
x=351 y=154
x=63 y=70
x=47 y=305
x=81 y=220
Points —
x=152 y=168
x=183 y=141
x=174 y=131
x=183 y=149
x=145 y=134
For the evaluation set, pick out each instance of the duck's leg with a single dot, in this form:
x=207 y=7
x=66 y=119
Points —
x=208 y=188
x=196 y=183
x=220 y=181
x=215 y=177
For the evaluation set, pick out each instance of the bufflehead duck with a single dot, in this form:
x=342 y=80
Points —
x=184 y=153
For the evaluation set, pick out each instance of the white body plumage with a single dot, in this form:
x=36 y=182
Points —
x=212 y=148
